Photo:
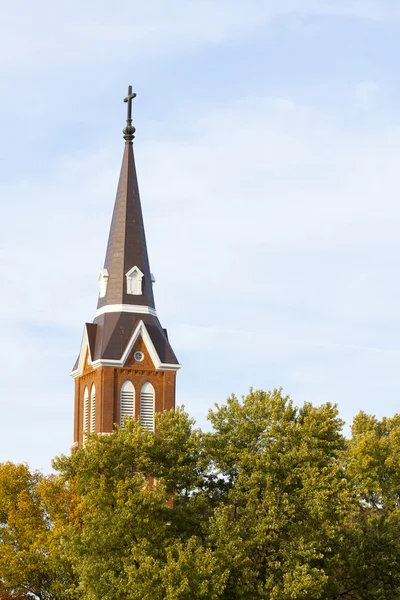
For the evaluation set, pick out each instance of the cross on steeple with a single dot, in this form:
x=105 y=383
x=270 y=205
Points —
x=129 y=130
x=129 y=99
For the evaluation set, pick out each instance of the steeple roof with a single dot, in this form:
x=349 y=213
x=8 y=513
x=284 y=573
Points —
x=127 y=241
x=126 y=301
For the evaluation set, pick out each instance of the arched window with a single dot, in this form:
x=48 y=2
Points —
x=147 y=406
x=85 y=412
x=93 y=409
x=127 y=401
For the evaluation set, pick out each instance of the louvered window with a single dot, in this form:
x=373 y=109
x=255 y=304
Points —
x=147 y=406
x=85 y=412
x=127 y=401
x=93 y=409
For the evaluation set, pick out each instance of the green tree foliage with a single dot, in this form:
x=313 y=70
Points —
x=373 y=468
x=286 y=498
x=135 y=537
x=30 y=561
x=274 y=503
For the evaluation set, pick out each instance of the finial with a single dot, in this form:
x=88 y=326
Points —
x=129 y=131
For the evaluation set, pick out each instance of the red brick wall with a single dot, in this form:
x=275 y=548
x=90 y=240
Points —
x=108 y=382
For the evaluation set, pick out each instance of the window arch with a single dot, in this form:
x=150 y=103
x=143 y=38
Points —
x=85 y=427
x=147 y=406
x=93 y=409
x=127 y=405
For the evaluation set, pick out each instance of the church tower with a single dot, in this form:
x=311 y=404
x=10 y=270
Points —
x=126 y=366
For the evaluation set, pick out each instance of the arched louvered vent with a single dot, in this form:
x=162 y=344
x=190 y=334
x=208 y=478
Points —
x=147 y=406
x=127 y=401
x=93 y=409
x=85 y=412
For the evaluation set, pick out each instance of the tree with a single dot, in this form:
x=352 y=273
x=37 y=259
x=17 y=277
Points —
x=137 y=534
x=274 y=503
x=373 y=468
x=30 y=563
x=287 y=500
x=256 y=509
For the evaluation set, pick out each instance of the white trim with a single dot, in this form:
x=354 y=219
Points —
x=92 y=416
x=126 y=402
x=139 y=331
x=128 y=308
x=85 y=413
x=134 y=278
x=138 y=356
x=82 y=354
x=134 y=270
x=118 y=363
x=147 y=398
x=103 y=280
x=142 y=331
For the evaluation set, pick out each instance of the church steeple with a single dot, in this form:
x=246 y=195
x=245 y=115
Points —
x=126 y=366
x=126 y=247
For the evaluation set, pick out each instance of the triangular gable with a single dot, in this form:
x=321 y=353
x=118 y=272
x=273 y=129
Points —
x=134 y=270
x=140 y=330
x=87 y=346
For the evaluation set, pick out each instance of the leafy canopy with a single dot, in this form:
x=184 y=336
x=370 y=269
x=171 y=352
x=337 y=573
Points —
x=274 y=503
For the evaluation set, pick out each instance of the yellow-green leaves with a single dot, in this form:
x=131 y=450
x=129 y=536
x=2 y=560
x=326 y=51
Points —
x=374 y=460
x=29 y=556
x=274 y=503
x=286 y=502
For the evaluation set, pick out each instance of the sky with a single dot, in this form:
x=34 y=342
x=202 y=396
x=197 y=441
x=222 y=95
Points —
x=268 y=152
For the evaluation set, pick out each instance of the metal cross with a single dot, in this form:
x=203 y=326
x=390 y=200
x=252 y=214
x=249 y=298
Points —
x=129 y=99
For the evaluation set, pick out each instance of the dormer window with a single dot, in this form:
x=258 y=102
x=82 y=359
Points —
x=103 y=280
x=134 y=279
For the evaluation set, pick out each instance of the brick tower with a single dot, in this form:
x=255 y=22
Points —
x=126 y=366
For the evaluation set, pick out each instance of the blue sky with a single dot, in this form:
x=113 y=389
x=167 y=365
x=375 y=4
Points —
x=268 y=151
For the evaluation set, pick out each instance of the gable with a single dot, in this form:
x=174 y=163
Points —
x=145 y=363
x=85 y=358
x=111 y=341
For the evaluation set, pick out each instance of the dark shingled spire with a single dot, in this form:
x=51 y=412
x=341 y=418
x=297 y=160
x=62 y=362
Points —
x=119 y=314
x=127 y=241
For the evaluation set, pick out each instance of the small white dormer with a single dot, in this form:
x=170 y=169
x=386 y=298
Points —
x=134 y=279
x=103 y=280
